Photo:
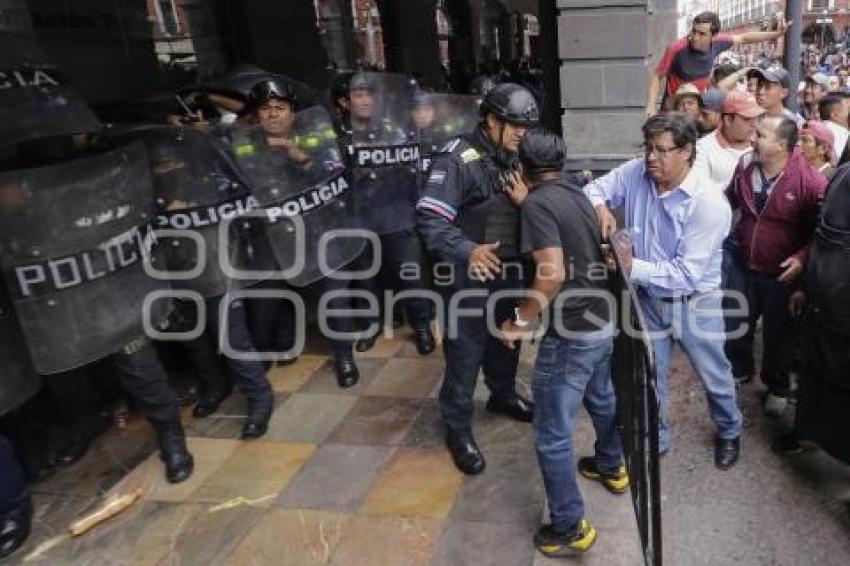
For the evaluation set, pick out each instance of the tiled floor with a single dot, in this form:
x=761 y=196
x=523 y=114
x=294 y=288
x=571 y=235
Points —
x=360 y=477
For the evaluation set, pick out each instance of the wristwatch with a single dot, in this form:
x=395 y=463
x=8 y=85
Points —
x=518 y=321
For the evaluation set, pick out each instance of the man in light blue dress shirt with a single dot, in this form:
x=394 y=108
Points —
x=676 y=221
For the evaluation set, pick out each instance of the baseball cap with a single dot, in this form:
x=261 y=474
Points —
x=713 y=99
x=772 y=75
x=743 y=104
x=687 y=89
x=823 y=135
x=819 y=79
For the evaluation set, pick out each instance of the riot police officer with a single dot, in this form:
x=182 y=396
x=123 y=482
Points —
x=468 y=219
x=371 y=107
x=284 y=158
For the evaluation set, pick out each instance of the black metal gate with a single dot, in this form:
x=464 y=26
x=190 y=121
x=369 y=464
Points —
x=637 y=405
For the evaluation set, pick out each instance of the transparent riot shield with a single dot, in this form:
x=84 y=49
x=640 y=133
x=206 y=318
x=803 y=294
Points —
x=301 y=185
x=438 y=118
x=36 y=100
x=74 y=240
x=382 y=151
x=198 y=187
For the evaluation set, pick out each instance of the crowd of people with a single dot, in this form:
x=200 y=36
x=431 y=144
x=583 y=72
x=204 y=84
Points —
x=729 y=218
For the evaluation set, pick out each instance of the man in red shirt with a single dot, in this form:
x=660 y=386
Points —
x=690 y=59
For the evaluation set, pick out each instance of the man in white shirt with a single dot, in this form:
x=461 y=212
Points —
x=718 y=152
x=833 y=112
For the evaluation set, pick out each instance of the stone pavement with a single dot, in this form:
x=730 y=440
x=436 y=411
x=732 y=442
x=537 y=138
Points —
x=359 y=477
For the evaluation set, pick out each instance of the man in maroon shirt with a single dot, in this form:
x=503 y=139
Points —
x=690 y=59
x=778 y=195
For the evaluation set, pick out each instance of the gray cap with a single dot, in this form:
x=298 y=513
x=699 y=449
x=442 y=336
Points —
x=713 y=99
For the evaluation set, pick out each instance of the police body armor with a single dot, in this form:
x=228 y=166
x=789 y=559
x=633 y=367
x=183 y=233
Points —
x=74 y=240
x=35 y=99
x=491 y=217
x=300 y=182
x=384 y=158
x=200 y=190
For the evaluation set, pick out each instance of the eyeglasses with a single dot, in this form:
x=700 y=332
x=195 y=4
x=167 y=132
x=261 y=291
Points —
x=659 y=152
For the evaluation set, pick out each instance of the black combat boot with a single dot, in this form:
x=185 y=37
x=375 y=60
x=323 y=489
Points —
x=347 y=374
x=425 y=343
x=259 y=413
x=179 y=463
x=15 y=528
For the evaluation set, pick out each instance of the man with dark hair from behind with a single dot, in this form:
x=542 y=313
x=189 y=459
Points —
x=833 y=110
x=573 y=366
x=778 y=194
x=690 y=59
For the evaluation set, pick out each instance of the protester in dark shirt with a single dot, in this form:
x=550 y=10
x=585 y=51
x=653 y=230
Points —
x=559 y=229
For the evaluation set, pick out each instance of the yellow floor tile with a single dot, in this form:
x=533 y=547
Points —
x=209 y=455
x=256 y=469
x=292 y=537
x=415 y=483
x=293 y=376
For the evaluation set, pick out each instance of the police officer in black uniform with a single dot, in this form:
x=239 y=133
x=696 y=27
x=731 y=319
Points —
x=15 y=504
x=468 y=218
x=384 y=203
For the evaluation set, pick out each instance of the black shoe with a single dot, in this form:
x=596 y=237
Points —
x=514 y=407
x=173 y=452
x=465 y=453
x=78 y=444
x=347 y=374
x=15 y=528
x=425 y=343
x=366 y=344
x=258 y=420
x=726 y=452
x=209 y=404
x=787 y=445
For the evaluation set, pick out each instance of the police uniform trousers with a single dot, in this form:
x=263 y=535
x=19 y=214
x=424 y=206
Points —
x=248 y=375
x=343 y=323
x=144 y=379
x=473 y=347
x=271 y=321
x=13 y=493
x=402 y=266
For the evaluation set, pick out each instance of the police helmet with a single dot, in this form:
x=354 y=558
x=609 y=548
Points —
x=270 y=89
x=361 y=81
x=540 y=152
x=511 y=103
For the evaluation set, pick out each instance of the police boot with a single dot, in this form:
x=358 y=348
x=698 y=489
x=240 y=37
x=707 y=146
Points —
x=179 y=463
x=347 y=374
x=425 y=343
x=259 y=413
x=367 y=343
x=208 y=403
x=465 y=452
x=512 y=406
x=77 y=443
x=15 y=528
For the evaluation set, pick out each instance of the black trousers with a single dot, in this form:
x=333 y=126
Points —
x=144 y=379
x=249 y=375
x=767 y=299
x=468 y=346
x=402 y=267
x=13 y=492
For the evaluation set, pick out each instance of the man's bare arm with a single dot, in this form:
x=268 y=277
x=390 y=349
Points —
x=652 y=93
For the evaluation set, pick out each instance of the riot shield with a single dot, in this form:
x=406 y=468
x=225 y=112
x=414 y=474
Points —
x=437 y=118
x=300 y=182
x=18 y=379
x=74 y=239
x=634 y=379
x=35 y=98
x=383 y=153
x=197 y=186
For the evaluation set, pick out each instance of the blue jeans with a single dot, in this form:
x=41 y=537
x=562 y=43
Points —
x=697 y=325
x=568 y=372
